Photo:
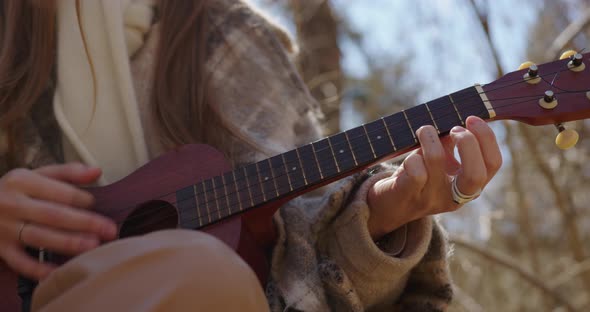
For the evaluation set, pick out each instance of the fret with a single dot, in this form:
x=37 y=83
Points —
x=370 y=144
x=295 y=168
x=315 y=157
x=410 y=126
x=206 y=200
x=445 y=115
x=254 y=184
x=287 y=172
x=237 y=190
x=186 y=202
x=221 y=188
x=261 y=178
x=352 y=151
x=242 y=179
x=267 y=179
x=326 y=161
x=216 y=196
x=307 y=163
x=432 y=118
x=456 y=110
x=198 y=209
x=469 y=103
x=280 y=175
x=388 y=134
x=379 y=138
x=361 y=148
x=333 y=156
x=231 y=197
x=402 y=134
x=418 y=116
x=344 y=155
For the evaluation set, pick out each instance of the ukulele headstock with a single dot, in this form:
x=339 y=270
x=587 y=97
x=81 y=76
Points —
x=550 y=93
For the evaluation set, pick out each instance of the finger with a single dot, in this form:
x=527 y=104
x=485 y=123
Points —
x=453 y=165
x=58 y=216
x=42 y=187
x=68 y=243
x=410 y=177
x=473 y=174
x=433 y=152
x=9 y=229
x=414 y=175
x=75 y=173
x=487 y=142
x=19 y=261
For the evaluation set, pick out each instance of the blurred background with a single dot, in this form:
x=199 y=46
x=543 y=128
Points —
x=524 y=245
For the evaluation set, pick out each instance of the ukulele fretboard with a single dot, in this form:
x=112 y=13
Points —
x=324 y=160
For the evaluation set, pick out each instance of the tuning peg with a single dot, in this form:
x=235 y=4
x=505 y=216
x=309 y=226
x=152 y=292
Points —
x=566 y=138
x=567 y=54
x=576 y=60
x=548 y=101
x=532 y=76
x=525 y=65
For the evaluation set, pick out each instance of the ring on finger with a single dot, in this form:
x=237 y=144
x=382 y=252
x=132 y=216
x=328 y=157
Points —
x=459 y=197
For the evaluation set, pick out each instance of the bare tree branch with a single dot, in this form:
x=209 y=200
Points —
x=571 y=273
x=567 y=35
x=563 y=200
x=522 y=202
x=506 y=262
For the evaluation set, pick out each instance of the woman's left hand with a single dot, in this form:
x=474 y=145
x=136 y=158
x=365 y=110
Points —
x=422 y=184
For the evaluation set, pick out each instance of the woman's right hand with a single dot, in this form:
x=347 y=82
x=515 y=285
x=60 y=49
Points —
x=43 y=208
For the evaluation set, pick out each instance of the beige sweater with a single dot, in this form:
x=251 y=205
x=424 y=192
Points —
x=325 y=258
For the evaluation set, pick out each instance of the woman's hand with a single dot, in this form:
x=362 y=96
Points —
x=422 y=184
x=42 y=208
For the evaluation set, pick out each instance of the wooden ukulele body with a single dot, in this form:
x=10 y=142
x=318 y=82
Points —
x=145 y=201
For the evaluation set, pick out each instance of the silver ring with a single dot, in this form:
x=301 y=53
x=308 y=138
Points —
x=458 y=197
x=20 y=232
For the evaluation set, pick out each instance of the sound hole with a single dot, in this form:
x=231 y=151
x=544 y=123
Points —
x=152 y=216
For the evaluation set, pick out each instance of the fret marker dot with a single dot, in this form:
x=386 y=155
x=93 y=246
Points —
x=265 y=178
x=294 y=168
x=378 y=137
x=341 y=151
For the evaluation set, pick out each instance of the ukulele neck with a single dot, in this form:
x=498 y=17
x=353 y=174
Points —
x=325 y=160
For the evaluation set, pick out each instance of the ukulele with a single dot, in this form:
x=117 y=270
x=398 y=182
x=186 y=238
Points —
x=194 y=187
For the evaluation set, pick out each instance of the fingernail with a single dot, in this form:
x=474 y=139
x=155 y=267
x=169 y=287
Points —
x=475 y=122
x=457 y=129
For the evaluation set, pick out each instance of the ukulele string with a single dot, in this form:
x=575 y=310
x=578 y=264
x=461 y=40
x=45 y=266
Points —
x=229 y=207
x=500 y=88
x=322 y=162
x=351 y=139
x=332 y=161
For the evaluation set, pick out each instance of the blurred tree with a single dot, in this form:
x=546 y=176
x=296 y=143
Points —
x=319 y=56
x=536 y=255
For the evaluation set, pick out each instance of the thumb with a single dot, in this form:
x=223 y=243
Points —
x=75 y=173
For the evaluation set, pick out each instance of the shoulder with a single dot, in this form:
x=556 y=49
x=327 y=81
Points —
x=230 y=17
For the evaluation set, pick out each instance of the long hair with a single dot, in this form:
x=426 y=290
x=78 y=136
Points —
x=179 y=99
x=27 y=56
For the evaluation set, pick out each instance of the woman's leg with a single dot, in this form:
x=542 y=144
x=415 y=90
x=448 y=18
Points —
x=172 y=270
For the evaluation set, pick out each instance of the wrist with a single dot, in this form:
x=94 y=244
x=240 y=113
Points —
x=394 y=243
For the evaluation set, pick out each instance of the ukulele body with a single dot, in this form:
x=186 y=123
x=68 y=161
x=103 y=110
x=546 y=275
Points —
x=135 y=204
